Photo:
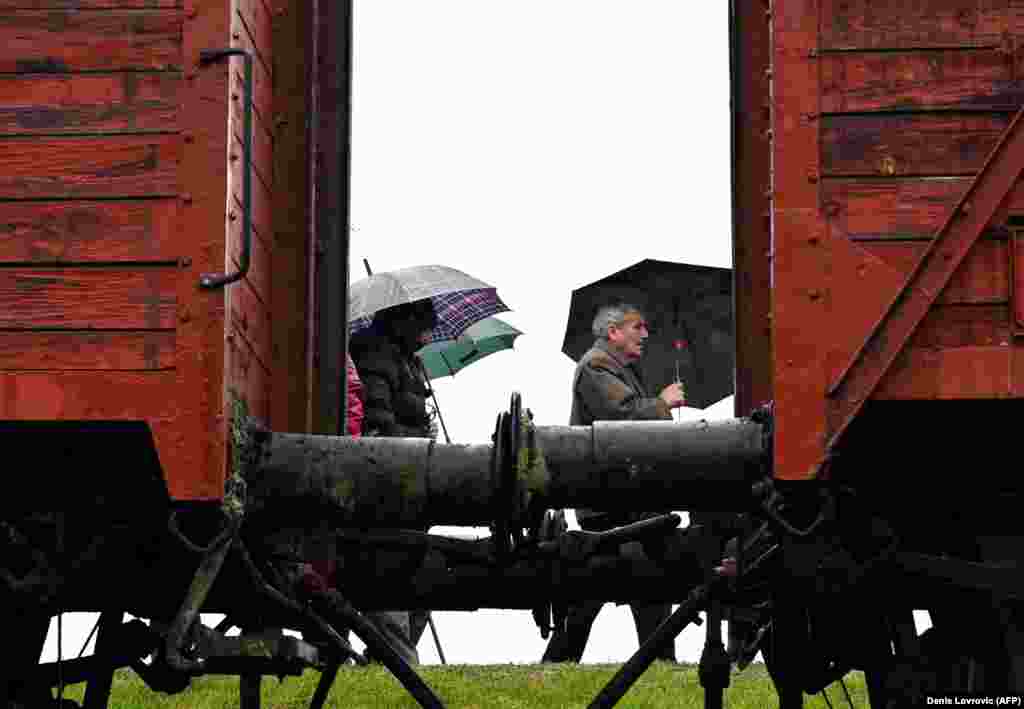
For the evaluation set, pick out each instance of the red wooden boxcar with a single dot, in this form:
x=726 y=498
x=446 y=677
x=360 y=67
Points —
x=878 y=149
x=878 y=152
x=877 y=251
x=122 y=156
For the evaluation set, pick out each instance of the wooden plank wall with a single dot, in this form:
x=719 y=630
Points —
x=250 y=354
x=913 y=98
x=89 y=154
x=114 y=157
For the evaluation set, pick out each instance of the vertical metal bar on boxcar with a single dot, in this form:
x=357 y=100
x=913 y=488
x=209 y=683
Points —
x=749 y=58
x=332 y=117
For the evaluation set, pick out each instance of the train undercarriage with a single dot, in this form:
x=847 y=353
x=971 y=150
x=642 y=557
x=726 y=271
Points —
x=821 y=579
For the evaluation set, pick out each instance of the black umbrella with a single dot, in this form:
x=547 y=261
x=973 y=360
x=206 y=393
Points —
x=689 y=312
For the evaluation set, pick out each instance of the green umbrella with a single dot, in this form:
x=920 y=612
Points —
x=445 y=358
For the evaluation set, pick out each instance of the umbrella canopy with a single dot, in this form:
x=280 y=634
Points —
x=442 y=359
x=689 y=311
x=459 y=299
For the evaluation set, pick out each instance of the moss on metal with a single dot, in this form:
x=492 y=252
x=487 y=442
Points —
x=239 y=437
x=344 y=493
x=531 y=469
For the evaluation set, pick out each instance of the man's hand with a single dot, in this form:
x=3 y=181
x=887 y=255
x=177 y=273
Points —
x=673 y=395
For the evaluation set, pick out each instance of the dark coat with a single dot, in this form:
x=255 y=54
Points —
x=394 y=389
x=605 y=388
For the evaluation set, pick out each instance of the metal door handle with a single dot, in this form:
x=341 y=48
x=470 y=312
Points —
x=213 y=280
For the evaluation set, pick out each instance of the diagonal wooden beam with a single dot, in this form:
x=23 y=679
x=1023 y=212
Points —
x=858 y=381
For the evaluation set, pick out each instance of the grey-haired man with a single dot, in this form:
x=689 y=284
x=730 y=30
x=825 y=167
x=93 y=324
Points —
x=607 y=387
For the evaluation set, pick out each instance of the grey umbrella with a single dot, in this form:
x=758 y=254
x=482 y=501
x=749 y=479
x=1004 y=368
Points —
x=459 y=299
x=689 y=310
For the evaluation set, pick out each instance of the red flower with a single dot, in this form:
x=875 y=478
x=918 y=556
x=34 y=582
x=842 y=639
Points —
x=679 y=344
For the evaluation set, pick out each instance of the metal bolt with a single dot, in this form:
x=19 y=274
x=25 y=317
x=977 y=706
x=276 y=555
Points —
x=232 y=216
x=185 y=315
x=814 y=294
x=185 y=262
x=235 y=35
x=812 y=175
x=965 y=209
x=232 y=157
x=186 y=197
x=189 y=138
x=812 y=53
x=813 y=240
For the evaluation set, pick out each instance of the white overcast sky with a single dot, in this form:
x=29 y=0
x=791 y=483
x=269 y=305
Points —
x=538 y=145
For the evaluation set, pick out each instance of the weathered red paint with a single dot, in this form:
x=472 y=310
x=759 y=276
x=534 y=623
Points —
x=70 y=41
x=926 y=283
x=85 y=4
x=259 y=262
x=752 y=205
x=950 y=326
x=103 y=298
x=872 y=153
x=76 y=103
x=262 y=196
x=250 y=320
x=245 y=36
x=67 y=232
x=198 y=469
x=983 y=277
x=908 y=144
x=867 y=24
x=979 y=79
x=970 y=372
x=111 y=396
x=95 y=166
x=250 y=357
x=262 y=138
x=86 y=349
x=247 y=377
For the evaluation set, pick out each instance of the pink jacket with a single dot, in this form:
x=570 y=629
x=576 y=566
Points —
x=354 y=423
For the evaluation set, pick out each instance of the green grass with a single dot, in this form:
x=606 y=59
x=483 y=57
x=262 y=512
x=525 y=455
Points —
x=477 y=687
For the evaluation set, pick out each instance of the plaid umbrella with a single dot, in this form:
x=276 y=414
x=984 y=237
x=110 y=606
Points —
x=441 y=359
x=459 y=299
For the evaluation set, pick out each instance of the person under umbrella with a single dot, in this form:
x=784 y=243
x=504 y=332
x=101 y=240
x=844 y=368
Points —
x=459 y=300
x=607 y=386
x=394 y=405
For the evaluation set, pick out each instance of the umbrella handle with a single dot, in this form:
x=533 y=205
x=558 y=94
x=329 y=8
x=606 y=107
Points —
x=433 y=396
x=439 y=417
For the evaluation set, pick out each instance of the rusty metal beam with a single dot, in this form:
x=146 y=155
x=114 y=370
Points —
x=412 y=482
x=855 y=385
